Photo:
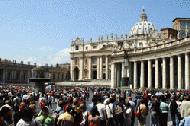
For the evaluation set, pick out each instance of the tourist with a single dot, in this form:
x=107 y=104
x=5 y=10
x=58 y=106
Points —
x=2 y=122
x=7 y=114
x=155 y=111
x=93 y=118
x=132 y=105
x=110 y=112
x=85 y=115
x=118 y=112
x=186 y=120
x=27 y=118
x=143 y=110
x=185 y=105
x=128 y=115
x=164 y=108
x=44 y=118
x=102 y=111
x=66 y=119
x=174 y=111
x=18 y=114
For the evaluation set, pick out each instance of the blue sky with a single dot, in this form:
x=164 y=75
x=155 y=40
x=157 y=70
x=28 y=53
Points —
x=41 y=30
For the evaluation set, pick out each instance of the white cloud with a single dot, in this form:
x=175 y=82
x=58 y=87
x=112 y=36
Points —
x=61 y=56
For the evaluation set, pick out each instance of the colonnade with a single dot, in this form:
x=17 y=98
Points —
x=166 y=72
x=14 y=75
x=101 y=68
x=171 y=72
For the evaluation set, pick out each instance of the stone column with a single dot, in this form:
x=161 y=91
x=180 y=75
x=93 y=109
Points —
x=113 y=77
x=29 y=74
x=124 y=71
x=4 y=74
x=101 y=68
x=186 y=71
x=107 y=67
x=13 y=77
x=118 y=75
x=171 y=73
x=81 y=68
x=149 y=74
x=164 y=73
x=156 y=74
x=89 y=68
x=98 y=68
x=142 y=80
x=71 y=70
x=21 y=76
x=179 y=72
x=135 y=75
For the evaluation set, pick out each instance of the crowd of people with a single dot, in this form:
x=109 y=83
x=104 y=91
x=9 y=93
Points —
x=82 y=106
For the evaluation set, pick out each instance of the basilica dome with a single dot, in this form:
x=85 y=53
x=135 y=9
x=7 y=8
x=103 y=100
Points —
x=143 y=27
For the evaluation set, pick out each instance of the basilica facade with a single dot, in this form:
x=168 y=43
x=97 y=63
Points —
x=144 y=58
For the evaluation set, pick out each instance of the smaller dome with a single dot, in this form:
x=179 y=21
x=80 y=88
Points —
x=144 y=27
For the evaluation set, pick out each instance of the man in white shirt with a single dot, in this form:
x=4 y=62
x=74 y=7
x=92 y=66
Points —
x=110 y=112
x=102 y=111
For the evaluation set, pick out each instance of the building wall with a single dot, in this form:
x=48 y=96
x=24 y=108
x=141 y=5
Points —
x=58 y=73
x=12 y=72
x=182 y=25
x=154 y=60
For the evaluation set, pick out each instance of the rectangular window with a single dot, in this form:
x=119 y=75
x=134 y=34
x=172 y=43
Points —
x=94 y=60
x=184 y=24
x=94 y=67
x=76 y=47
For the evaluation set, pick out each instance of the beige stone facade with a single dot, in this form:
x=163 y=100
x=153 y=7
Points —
x=182 y=25
x=145 y=58
x=12 y=72
x=58 y=73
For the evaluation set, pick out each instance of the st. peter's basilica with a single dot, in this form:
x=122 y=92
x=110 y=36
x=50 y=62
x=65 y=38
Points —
x=144 y=58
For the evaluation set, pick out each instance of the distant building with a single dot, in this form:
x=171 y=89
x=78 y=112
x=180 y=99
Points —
x=168 y=33
x=144 y=58
x=182 y=25
x=12 y=72
x=58 y=73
